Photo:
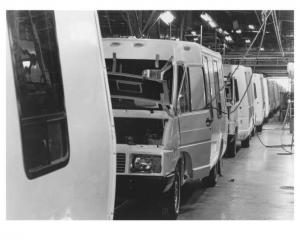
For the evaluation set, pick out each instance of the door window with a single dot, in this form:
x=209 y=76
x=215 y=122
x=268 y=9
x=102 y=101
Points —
x=39 y=89
x=198 y=95
x=184 y=99
x=217 y=89
x=236 y=89
x=255 y=93
x=208 y=86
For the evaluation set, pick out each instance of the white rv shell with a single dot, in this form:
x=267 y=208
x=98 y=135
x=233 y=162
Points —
x=245 y=105
x=266 y=98
x=189 y=54
x=259 y=107
x=85 y=187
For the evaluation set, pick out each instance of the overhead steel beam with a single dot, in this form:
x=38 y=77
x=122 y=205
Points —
x=150 y=21
x=276 y=28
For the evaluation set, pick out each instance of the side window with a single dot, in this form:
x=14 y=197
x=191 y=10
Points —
x=236 y=89
x=180 y=72
x=208 y=85
x=39 y=89
x=217 y=88
x=184 y=93
x=255 y=93
x=198 y=95
x=249 y=91
x=168 y=76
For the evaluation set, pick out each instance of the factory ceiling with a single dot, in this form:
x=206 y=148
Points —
x=228 y=32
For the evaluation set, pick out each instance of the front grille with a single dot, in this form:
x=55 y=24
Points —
x=121 y=161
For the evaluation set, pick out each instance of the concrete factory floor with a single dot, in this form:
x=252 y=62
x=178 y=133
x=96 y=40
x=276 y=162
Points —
x=257 y=184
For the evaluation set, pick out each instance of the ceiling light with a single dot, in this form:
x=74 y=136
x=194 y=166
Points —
x=209 y=20
x=167 y=17
x=212 y=24
x=205 y=17
x=262 y=49
x=247 y=41
x=239 y=31
x=219 y=30
x=250 y=26
x=228 y=38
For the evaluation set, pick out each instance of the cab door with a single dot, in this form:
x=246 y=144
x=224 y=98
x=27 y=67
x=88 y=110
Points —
x=215 y=131
x=194 y=118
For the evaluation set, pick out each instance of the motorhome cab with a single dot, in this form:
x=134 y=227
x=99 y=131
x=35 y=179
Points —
x=259 y=104
x=232 y=101
x=168 y=102
x=58 y=114
x=245 y=103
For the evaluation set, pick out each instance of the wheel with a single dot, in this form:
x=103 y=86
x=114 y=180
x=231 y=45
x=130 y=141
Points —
x=246 y=142
x=212 y=178
x=231 y=146
x=171 y=201
x=259 y=128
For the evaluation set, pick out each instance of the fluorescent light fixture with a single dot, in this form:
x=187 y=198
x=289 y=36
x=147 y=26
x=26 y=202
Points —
x=212 y=24
x=205 y=17
x=219 y=30
x=167 y=17
x=228 y=38
x=239 y=31
x=209 y=20
x=250 y=26
x=247 y=41
x=193 y=33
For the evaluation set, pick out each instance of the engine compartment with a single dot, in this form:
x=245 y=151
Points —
x=142 y=131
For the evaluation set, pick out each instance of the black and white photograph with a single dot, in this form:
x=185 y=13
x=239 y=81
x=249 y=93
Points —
x=135 y=114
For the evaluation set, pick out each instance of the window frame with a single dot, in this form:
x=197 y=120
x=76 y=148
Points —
x=188 y=66
x=41 y=121
x=218 y=96
x=255 y=92
x=184 y=79
x=209 y=88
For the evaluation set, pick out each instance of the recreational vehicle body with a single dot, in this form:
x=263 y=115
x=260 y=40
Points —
x=232 y=101
x=245 y=104
x=60 y=140
x=259 y=104
x=168 y=103
x=266 y=98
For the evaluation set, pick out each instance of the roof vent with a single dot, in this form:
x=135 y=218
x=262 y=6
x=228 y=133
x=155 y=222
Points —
x=115 y=44
x=138 y=45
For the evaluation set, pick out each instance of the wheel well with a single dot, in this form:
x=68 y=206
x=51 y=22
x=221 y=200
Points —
x=187 y=164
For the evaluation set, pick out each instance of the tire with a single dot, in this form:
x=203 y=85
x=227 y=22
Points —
x=259 y=128
x=246 y=143
x=212 y=178
x=231 y=147
x=171 y=201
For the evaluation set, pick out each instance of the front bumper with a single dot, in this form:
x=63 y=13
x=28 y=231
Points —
x=136 y=186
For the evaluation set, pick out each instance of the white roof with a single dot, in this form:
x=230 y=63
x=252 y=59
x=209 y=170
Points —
x=228 y=68
x=149 y=48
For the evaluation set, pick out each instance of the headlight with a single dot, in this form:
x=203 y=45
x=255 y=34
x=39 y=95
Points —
x=145 y=163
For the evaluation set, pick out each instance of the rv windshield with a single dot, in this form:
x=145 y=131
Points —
x=130 y=88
